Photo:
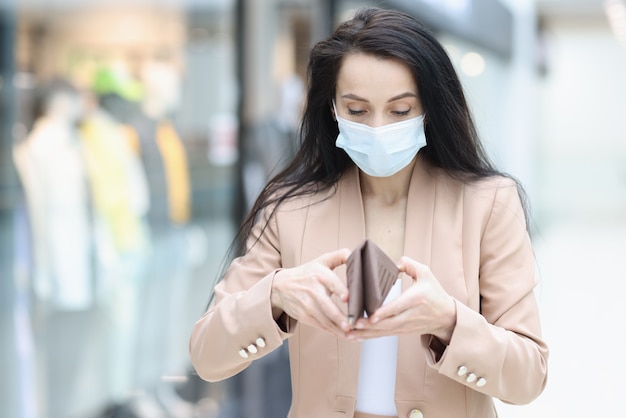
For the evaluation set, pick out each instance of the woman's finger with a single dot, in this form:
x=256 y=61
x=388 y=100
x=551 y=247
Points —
x=335 y=258
x=389 y=310
x=413 y=268
x=329 y=316
x=333 y=285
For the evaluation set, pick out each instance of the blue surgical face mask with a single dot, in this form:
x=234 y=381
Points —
x=384 y=150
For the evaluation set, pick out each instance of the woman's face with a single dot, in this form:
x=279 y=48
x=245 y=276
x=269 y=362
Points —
x=376 y=91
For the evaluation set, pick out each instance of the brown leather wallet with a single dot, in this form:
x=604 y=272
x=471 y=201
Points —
x=370 y=276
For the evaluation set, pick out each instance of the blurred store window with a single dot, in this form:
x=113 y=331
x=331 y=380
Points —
x=120 y=210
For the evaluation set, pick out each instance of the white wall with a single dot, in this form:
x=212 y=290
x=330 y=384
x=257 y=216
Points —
x=583 y=122
x=503 y=97
x=581 y=201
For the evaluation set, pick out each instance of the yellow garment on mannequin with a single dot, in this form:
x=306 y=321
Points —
x=132 y=137
x=175 y=165
x=104 y=150
x=176 y=172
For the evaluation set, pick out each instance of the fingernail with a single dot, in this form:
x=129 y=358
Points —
x=360 y=325
x=374 y=319
x=345 y=326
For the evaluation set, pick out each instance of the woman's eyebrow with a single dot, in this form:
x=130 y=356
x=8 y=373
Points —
x=351 y=96
x=402 y=96
x=354 y=97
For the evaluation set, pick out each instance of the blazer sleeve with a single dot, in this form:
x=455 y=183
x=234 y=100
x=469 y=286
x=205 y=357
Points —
x=238 y=327
x=499 y=351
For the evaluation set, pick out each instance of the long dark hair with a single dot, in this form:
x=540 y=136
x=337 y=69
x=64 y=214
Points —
x=452 y=140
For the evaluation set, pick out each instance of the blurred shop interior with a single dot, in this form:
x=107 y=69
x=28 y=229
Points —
x=135 y=134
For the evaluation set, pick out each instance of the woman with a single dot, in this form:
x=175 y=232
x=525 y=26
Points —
x=389 y=152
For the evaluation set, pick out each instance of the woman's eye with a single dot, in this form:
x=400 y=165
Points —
x=355 y=112
x=402 y=112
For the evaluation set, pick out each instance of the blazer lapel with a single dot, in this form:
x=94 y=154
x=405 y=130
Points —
x=419 y=217
x=417 y=245
x=351 y=233
x=351 y=213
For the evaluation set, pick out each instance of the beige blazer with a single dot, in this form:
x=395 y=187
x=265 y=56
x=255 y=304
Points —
x=474 y=239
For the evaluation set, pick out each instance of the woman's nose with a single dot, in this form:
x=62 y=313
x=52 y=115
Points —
x=376 y=121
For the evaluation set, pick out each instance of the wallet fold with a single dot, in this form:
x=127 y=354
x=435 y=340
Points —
x=370 y=276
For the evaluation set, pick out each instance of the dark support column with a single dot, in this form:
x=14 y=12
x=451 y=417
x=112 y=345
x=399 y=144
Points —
x=9 y=388
x=240 y=209
x=332 y=15
x=324 y=14
x=7 y=107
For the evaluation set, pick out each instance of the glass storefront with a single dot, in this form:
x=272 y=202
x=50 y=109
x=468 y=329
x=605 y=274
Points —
x=134 y=137
x=119 y=175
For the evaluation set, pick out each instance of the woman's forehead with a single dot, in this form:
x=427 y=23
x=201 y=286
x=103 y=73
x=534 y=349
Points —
x=367 y=76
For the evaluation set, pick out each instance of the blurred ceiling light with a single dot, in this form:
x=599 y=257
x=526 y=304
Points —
x=452 y=50
x=473 y=64
x=616 y=14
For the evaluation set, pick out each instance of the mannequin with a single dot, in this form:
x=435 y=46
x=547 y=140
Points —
x=120 y=200
x=165 y=160
x=52 y=172
x=50 y=166
x=160 y=146
x=118 y=181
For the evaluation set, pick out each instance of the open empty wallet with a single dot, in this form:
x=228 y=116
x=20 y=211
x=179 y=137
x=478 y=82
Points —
x=370 y=276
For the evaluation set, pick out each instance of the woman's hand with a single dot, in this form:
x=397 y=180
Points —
x=424 y=308
x=304 y=293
